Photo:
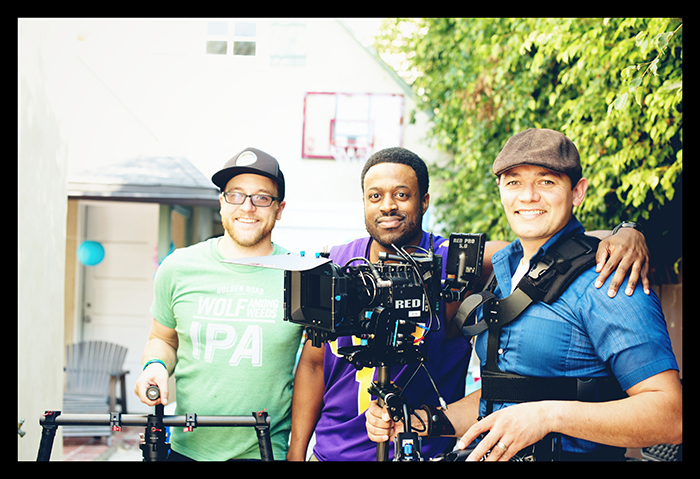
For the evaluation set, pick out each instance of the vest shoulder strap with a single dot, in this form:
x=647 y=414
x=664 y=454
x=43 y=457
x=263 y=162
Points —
x=545 y=281
x=563 y=263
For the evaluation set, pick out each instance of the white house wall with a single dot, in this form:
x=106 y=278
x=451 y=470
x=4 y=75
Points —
x=43 y=105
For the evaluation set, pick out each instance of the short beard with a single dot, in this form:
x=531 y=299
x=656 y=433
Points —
x=245 y=241
x=400 y=239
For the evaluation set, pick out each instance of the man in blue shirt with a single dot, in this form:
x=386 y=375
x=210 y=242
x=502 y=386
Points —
x=583 y=334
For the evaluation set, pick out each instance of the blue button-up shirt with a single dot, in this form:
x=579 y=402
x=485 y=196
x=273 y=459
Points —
x=582 y=334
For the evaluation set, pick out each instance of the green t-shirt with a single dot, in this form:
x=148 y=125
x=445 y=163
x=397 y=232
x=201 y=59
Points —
x=236 y=354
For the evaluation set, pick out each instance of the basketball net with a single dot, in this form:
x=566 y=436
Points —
x=350 y=151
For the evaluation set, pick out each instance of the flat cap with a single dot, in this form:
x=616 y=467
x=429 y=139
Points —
x=540 y=147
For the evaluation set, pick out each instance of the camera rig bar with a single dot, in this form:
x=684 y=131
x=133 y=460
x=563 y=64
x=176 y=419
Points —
x=153 y=445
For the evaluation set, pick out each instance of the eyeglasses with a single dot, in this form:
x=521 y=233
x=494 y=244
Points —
x=237 y=198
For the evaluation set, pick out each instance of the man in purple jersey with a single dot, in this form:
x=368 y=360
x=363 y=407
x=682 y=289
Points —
x=330 y=395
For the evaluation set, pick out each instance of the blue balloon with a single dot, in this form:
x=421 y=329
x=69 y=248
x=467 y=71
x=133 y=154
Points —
x=90 y=253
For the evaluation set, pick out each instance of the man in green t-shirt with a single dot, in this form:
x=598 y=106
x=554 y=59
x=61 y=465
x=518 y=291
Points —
x=223 y=324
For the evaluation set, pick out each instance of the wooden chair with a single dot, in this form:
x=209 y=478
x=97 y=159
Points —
x=93 y=369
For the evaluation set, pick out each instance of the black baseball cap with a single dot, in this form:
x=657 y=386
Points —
x=250 y=160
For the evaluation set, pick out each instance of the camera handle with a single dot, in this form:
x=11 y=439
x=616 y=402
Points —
x=407 y=443
x=378 y=388
x=153 y=446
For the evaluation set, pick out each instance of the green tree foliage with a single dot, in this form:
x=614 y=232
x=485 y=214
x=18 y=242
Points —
x=614 y=86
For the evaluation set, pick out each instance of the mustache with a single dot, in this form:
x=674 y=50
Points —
x=389 y=217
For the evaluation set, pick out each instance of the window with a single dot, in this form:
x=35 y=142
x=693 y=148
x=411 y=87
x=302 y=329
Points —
x=288 y=44
x=231 y=38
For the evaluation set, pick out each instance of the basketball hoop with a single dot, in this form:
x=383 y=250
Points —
x=349 y=127
x=350 y=151
x=351 y=140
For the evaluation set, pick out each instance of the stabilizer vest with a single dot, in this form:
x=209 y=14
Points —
x=545 y=281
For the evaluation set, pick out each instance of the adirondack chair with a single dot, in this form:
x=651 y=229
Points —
x=93 y=369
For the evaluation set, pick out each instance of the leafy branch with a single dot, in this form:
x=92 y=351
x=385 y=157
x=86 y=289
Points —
x=633 y=84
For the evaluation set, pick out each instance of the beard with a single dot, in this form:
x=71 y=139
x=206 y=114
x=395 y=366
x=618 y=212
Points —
x=401 y=236
x=246 y=239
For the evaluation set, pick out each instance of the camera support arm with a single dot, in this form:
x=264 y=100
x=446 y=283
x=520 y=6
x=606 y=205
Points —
x=383 y=381
x=407 y=444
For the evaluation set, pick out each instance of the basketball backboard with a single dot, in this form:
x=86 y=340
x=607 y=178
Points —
x=350 y=126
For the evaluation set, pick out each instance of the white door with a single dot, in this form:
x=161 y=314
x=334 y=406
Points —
x=118 y=291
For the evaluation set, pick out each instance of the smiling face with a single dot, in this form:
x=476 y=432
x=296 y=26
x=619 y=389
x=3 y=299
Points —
x=394 y=207
x=538 y=203
x=248 y=228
